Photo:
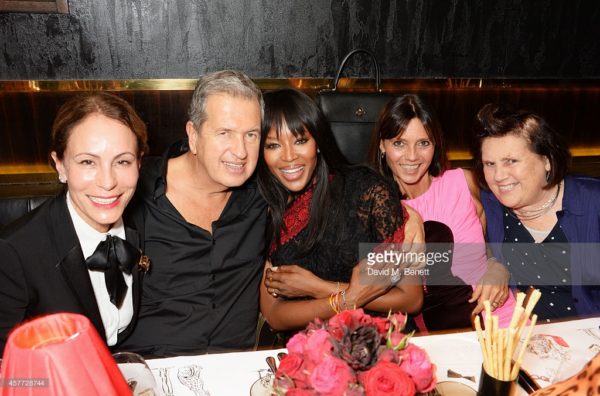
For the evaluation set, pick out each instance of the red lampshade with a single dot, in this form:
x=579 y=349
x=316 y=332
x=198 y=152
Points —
x=59 y=354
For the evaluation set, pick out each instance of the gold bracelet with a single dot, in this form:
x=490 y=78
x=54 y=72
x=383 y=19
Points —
x=332 y=304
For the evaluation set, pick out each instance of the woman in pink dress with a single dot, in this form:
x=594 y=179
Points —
x=407 y=147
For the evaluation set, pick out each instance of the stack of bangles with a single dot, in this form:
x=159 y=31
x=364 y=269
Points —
x=337 y=301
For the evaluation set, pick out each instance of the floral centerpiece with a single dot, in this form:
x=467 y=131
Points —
x=354 y=354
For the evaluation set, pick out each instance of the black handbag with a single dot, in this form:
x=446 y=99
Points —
x=352 y=115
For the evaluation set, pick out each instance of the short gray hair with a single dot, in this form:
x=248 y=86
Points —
x=231 y=82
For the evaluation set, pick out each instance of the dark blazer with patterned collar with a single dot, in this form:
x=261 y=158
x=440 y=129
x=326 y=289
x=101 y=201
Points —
x=42 y=270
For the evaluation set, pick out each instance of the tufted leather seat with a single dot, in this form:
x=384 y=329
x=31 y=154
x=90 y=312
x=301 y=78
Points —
x=14 y=207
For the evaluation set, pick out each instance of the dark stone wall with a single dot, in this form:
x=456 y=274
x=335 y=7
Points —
x=130 y=39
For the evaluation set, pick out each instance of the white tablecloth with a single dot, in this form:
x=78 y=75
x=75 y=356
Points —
x=558 y=351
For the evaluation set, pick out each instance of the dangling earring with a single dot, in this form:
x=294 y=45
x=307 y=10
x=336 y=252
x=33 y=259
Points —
x=382 y=163
x=547 y=176
x=318 y=151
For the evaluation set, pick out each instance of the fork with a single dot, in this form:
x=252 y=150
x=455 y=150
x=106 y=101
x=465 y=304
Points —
x=454 y=374
x=281 y=355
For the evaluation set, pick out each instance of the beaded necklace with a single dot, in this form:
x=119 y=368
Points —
x=539 y=212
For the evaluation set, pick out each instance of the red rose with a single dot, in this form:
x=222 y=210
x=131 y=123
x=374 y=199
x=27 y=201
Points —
x=331 y=377
x=290 y=365
x=382 y=325
x=387 y=379
x=416 y=364
x=347 y=320
x=296 y=343
x=291 y=373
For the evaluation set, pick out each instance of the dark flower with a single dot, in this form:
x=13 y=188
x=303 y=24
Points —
x=359 y=347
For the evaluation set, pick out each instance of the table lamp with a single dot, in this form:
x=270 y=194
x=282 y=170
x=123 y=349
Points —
x=59 y=354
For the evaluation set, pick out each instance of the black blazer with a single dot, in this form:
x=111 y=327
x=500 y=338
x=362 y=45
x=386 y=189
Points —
x=42 y=270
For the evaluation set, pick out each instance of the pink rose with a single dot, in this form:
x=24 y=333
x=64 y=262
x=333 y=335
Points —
x=387 y=378
x=398 y=320
x=331 y=377
x=388 y=355
x=395 y=339
x=296 y=343
x=317 y=346
x=298 y=392
x=416 y=364
x=354 y=390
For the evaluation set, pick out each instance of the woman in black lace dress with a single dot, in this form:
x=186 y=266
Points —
x=321 y=210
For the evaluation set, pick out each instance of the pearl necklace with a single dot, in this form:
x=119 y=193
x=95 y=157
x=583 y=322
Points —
x=527 y=215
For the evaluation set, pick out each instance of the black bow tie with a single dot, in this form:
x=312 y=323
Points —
x=114 y=256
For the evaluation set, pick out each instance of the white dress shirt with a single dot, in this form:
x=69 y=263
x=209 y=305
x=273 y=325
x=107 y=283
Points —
x=114 y=319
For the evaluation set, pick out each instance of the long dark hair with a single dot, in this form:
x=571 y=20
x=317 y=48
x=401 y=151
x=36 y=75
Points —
x=498 y=120
x=393 y=121
x=300 y=113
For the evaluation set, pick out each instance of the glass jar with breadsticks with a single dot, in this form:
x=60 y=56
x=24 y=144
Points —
x=501 y=360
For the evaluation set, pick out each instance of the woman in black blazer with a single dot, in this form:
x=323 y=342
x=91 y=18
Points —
x=75 y=253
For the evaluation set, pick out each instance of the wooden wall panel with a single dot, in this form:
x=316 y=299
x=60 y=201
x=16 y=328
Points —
x=124 y=39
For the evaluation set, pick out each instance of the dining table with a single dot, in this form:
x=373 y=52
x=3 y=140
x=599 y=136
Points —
x=555 y=352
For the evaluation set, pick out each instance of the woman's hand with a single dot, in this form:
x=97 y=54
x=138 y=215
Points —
x=293 y=281
x=414 y=232
x=492 y=286
x=366 y=285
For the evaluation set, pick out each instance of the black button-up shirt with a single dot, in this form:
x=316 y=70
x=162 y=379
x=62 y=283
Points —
x=202 y=292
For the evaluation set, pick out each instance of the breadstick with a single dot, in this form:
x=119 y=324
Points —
x=495 y=350
x=482 y=343
x=488 y=335
x=509 y=353
x=517 y=365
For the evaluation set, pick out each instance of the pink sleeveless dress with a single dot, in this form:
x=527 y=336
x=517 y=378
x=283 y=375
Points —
x=448 y=200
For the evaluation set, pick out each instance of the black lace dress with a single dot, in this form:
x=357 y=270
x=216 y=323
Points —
x=371 y=215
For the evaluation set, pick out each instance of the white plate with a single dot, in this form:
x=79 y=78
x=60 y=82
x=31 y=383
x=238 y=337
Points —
x=262 y=386
x=451 y=388
x=457 y=353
